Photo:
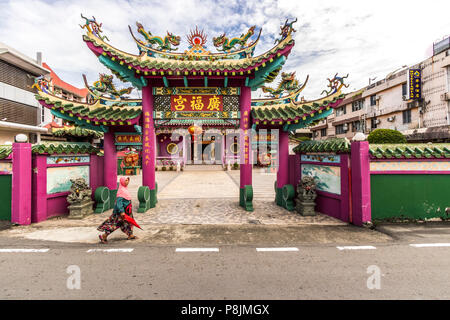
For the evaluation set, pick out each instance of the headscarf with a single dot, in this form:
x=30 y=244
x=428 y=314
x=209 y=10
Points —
x=123 y=190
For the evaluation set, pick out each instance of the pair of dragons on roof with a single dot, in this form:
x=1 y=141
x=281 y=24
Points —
x=171 y=41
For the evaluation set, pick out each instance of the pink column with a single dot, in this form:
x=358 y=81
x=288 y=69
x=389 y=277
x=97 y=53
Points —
x=283 y=159
x=244 y=138
x=21 y=184
x=149 y=139
x=110 y=161
x=360 y=164
x=39 y=193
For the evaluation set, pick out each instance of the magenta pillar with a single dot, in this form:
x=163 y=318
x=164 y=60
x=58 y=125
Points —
x=283 y=159
x=110 y=161
x=148 y=144
x=21 y=184
x=246 y=190
x=360 y=165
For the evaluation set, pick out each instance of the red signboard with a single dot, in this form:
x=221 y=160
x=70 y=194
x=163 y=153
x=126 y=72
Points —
x=128 y=138
x=196 y=103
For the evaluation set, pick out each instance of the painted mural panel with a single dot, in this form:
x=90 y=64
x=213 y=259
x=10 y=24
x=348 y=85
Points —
x=321 y=158
x=6 y=167
x=58 y=178
x=328 y=177
x=67 y=159
x=410 y=166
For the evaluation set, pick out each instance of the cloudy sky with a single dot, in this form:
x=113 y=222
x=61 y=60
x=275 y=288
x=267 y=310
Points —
x=362 y=38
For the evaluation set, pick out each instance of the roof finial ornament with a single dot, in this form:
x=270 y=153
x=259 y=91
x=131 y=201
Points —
x=286 y=30
x=335 y=84
x=228 y=45
x=93 y=27
x=160 y=43
x=105 y=86
x=288 y=84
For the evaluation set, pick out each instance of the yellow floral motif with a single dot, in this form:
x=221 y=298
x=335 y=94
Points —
x=197 y=103
x=180 y=103
x=214 y=103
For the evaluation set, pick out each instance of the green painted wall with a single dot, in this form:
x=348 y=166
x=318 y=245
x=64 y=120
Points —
x=5 y=197
x=414 y=196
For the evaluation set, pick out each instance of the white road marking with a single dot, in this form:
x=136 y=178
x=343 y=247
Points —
x=275 y=249
x=424 y=245
x=356 y=248
x=23 y=250
x=197 y=250
x=111 y=250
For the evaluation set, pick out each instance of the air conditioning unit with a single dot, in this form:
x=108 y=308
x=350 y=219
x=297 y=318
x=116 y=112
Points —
x=377 y=98
x=445 y=96
x=345 y=127
x=316 y=133
x=404 y=98
x=390 y=119
x=378 y=121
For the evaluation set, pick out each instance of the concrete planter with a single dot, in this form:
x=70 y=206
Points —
x=80 y=210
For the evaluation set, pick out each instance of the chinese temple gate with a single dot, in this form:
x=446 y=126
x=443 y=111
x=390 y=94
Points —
x=189 y=91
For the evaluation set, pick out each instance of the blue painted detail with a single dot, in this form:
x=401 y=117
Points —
x=124 y=72
x=246 y=81
x=144 y=81
x=206 y=81
x=166 y=82
x=138 y=128
x=185 y=81
x=81 y=123
x=260 y=75
x=225 y=82
x=304 y=123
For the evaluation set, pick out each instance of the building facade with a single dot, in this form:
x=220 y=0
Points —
x=386 y=105
x=19 y=110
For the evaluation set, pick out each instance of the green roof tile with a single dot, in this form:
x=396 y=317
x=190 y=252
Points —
x=331 y=145
x=410 y=151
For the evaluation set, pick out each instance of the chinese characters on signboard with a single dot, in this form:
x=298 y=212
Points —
x=146 y=146
x=128 y=138
x=196 y=103
x=414 y=84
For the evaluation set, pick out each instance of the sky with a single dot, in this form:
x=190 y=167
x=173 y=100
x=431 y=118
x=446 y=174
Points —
x=365 y=39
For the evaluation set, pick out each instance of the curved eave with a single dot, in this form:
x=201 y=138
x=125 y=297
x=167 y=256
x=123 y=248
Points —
x=291 y=116
x=178 y=55
x=90 y=115
x=270 y=101
x=137 y=67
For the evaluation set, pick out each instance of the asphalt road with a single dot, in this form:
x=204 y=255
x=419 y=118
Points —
x=140 y=270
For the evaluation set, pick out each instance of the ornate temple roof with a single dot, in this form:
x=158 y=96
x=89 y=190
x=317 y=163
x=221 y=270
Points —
x=5 y=151
x=99 y=113
x=64 y=148
x=164 y=62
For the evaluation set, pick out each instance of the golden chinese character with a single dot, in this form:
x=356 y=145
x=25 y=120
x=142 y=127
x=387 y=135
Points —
x=180 y=103
x=214 y=103
x=147 y=114
x=197 y=103
x=147 y=126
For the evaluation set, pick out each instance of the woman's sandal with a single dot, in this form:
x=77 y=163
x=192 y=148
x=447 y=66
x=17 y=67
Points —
x=132 y=238
x=102 y=240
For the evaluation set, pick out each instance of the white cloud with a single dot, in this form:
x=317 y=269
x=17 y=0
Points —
x=363 y=38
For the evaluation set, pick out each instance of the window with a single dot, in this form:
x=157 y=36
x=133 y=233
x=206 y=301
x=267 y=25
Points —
x=373 y=123
x=42 y=114
x=323 y=132
x=356 y=126
x=340 y=129
x=404 y=90
x=373 y=100
x=340 y=111
x=407 y=116
x=357 y=105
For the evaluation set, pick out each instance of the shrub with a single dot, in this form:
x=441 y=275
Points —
x=386 y=136
x=236 y=166
x=164 y=168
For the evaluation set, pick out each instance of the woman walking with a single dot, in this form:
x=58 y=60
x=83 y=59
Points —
x=121 y=207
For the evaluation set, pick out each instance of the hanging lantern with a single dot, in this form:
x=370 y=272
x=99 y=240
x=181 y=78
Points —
x=194 y=130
